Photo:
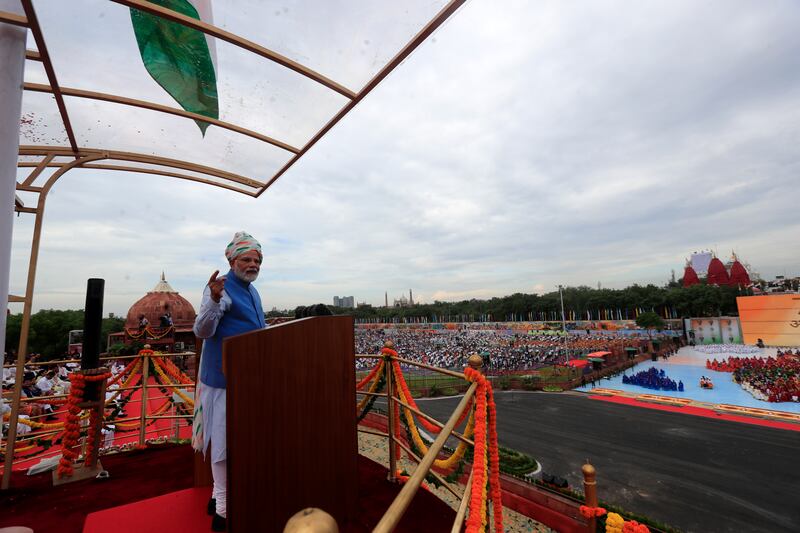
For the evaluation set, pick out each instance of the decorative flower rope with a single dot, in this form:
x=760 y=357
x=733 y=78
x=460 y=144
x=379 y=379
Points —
x=167 y=382
x=378 y=375
x=409 y=399
x=72 y=427
x=592 y=512
x=444 y=464
x=377 y=368
x=138 y=334
x=486 y=458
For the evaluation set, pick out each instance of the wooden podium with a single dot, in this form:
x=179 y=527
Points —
x=291 y=420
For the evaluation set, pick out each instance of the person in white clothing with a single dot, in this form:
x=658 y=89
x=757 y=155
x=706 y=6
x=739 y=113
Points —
x=231 y=305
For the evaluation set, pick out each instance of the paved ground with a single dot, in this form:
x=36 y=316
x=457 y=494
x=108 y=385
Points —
x=693 y=473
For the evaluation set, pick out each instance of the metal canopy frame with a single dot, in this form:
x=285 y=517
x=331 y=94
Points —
x=41 y=157
x=255 y=187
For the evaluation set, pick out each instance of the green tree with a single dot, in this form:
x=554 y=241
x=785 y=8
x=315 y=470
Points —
x=49 y=331
x=650 y=320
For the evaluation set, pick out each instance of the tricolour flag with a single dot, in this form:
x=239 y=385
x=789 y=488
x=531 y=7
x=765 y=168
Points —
x=182 y=60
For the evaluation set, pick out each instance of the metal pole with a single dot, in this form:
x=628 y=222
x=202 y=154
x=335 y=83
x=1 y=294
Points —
x=590 y=491
x=145 y=377
x=392 y=422
x=563 y=324
x=12 y=57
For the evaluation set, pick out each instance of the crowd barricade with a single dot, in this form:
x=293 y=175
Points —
x=607 y=392
x=654 y=398
x=757 y=412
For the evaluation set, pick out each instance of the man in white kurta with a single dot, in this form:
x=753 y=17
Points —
x=230 y=306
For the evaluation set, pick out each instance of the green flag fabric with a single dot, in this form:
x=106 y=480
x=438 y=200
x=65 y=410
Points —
x=178 y=58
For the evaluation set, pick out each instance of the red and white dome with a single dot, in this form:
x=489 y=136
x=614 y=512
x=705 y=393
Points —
x=156 y=302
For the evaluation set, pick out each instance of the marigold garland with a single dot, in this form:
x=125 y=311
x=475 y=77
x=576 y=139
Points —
x=409 y=399
x=71 y=427
x=124 y=371
x=475 y=520
x=632 y=526
x=494 y=458
x=153 y=335
x=166 y=381
x=377 y=368
x=402 y=477
x=373 y=388
x=592 y=512
x=444 y=464
x=614 y=523
x=174 y=372
x=486 y=464
x=134 y=373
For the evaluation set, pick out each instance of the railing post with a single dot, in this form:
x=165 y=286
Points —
x=590 y=491
x=145 y=377
x=387 y=368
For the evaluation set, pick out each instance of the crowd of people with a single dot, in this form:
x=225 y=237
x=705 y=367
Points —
x=653 y=379
x=502 y=350
x=39 y=384
x=740 y=349
x=771 y=379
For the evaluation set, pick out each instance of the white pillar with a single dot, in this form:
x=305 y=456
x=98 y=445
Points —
x=12 y=59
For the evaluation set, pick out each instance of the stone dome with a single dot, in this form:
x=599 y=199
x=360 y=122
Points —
x=153 y=304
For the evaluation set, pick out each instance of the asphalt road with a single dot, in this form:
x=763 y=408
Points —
x=696 y=474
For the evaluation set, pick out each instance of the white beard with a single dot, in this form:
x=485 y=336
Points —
x=244 y=276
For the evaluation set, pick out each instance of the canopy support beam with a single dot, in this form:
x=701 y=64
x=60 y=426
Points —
x=26 y=314
x=51 y=73
x=418 y=39
x=105 y=97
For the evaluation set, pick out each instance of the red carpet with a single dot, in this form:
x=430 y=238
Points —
x=167 y=472
x=177 y=512
x=699 y=411
x=32 y=501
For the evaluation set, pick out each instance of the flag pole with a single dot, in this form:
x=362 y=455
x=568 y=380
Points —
x=563 y=324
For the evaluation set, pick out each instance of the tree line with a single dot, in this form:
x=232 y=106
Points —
x=49 y=331
x=49 y=328
x=580 y=303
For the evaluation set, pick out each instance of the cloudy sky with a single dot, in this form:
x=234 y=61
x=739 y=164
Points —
x=526 y=145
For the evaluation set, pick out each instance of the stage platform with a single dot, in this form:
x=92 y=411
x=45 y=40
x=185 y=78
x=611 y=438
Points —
x=151 y=490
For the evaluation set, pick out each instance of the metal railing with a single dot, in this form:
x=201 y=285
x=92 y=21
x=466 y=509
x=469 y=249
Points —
x=401 y=502
x=144 y=418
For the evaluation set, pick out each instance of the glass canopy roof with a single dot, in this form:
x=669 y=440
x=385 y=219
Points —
x=285 y=72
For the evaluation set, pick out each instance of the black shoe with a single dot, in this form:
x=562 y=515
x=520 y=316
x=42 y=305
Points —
x=211 y=508
x=219 y=523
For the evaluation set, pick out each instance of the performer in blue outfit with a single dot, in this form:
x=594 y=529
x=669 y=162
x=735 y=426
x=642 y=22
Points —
x=230 y=306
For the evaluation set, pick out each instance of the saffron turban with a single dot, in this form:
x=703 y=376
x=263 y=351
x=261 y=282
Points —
x=242 y=242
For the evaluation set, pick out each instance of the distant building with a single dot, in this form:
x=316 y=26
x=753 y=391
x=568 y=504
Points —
x=403 y=301
x=344 y=301
x=706 y=266
x=170 y=318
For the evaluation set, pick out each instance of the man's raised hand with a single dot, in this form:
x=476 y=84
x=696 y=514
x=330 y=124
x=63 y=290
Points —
x=216 y=285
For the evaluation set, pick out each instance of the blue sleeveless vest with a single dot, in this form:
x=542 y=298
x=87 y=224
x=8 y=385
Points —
x=245 y=314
